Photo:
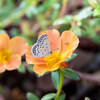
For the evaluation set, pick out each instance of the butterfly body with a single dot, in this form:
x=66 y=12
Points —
x=41 y=47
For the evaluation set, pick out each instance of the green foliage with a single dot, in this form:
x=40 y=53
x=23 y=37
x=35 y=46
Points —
x=14 y=32
x=55 y=13
x=31 y=96
x=22 y=68
x=97 y=11
x=84 y=13
x=32 y=11
x=93 y=3
x=62 y=96
x=86 y=98
x=77 y=31
x=69 y=73
x=46 y=5
x=65 y=20
x=73 y=56
x=86 y=3
x=55 y=79
x=15 y=14
x=49 y=96
x=50 y=9
x=1 y=89
x=30 y=68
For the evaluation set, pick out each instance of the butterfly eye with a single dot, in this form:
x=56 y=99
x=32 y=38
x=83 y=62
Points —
x=50 y=52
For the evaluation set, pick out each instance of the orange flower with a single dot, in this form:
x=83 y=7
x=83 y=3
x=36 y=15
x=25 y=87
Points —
x=61 y=46
x=11 y=51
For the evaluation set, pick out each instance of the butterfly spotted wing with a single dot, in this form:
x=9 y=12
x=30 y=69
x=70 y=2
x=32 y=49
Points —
x=41 y=47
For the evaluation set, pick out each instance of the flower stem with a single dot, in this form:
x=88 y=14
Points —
x=60 y=85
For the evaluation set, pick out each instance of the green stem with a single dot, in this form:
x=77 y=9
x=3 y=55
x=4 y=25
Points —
x=60 y=85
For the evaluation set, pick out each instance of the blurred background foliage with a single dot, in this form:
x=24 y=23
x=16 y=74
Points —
x=30 y=17
x=27 y=18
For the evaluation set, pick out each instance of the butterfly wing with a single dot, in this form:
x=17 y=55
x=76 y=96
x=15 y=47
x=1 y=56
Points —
x=42 y=47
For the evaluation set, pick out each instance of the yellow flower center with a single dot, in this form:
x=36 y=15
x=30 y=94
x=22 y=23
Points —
x=5 y=56
x=53 y=59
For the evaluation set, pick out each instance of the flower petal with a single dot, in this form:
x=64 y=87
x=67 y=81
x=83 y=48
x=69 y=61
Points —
x=54 y=38
x=4 y=41
x=14 y=63
x=42 y=68
x=69 y=43
x=33 y=60
x=18 y=45
x=2 y=68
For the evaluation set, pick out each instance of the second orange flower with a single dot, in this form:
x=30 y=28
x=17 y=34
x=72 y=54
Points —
x=11 y=51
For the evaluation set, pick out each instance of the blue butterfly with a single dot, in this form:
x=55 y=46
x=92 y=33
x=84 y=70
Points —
x=41 y=47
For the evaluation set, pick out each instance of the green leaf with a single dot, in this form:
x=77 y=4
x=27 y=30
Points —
x=48 y=96
x=31 y=96
x=86 y=98
x=74 y=55
x=85 y=13
x=77 y=31
x=69 y=73
x=62 y=96
x=64 y=27
x=55 y=79
x=65 y=20
x=97 y=11
x=21 y=68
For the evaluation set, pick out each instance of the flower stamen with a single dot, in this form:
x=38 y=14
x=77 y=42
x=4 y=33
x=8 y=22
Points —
x=5 y=56
x=53 y=58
